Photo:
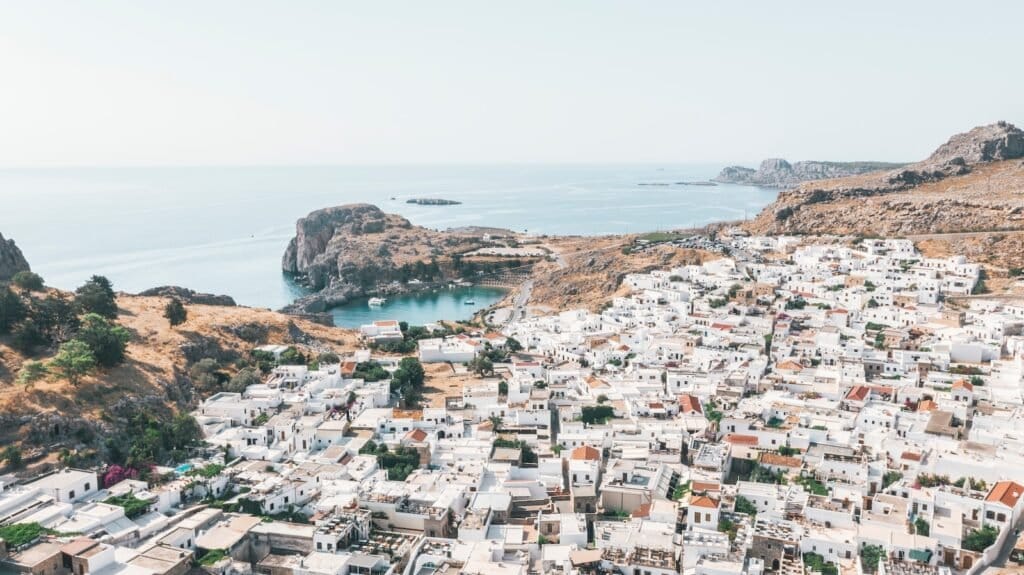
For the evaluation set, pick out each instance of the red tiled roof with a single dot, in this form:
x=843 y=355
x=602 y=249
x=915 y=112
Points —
x=910 y=456
x=689 y=404
x=643 y=511
x=585 y=453
x=738 y=439
x=703 y=501
x=1006 y=492
x=703 y=486
x=963 y=384
x=780 y=460
x=858 y=393
x=416 y=435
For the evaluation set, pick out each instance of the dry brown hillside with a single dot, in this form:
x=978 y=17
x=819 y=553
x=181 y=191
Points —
x=590 y=270
x=155 y=374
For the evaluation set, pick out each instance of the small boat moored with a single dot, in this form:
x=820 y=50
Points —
x=377 y=301
x=470 y=302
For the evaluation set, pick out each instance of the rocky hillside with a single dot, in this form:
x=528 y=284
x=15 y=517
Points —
x=778 y=173
x=158 y=376
x=11 y=259
x=357 y=249
x=589 y=271
x=973 y=182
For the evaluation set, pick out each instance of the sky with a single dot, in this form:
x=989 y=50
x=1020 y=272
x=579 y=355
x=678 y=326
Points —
x=252 y=82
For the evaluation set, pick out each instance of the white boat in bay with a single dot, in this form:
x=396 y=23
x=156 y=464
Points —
x=470 y=302
x=377 y=301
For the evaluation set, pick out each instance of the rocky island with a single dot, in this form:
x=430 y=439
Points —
x=432 y=202
x=778 y=173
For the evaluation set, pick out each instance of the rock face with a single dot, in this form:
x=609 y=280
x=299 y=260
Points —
x=975 y=181
x=190 y=296
x=11 y=259
x=357 y=249
x=778 y=173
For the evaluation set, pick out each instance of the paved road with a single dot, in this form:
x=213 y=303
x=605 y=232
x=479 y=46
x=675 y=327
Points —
x=1004 y=553
x=519 y=304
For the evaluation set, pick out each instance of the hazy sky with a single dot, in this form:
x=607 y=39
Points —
x=251 y=82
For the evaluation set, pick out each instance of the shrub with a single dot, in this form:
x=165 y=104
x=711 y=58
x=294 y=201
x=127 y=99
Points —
x=27 y=280
x=175 y=312
x=106 y=340
x=97 y=296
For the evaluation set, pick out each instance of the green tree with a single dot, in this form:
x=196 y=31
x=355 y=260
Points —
x=503 y=388
x=28 y=337
x=512 y=344
x=244 y=378
x=29 y=281
x=921 y=526
x=97 y=296
x=206 y=374
x=981 y=539
x=12 y=455
x=744 y=505
x=106 y=340
x=57 y=317
x=175 y=312
x=870 y=555
x=602 y=398
x=31 y=372
x=12 y=309
x=292 y=356
x=328 y=357
x=482 y=365
x=74 y=360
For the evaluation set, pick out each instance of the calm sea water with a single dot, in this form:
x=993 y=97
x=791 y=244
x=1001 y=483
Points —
x=420 y=308
x=223 y=229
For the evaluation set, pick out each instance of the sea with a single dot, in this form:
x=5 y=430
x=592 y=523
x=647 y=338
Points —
x=223 y=229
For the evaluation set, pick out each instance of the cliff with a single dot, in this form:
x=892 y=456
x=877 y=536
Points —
x=356 y=249
x=12 y=260
x=972 y=182
x=778 y=173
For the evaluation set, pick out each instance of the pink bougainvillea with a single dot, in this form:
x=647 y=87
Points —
x=116 y=474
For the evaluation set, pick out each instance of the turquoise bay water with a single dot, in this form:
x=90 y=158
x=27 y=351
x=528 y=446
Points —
x=419 y=308
x=223 y=229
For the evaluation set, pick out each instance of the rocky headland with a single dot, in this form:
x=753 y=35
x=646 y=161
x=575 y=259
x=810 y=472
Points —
x=778 y=173
x=354 y=250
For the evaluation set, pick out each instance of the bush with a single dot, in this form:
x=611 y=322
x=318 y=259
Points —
x=597 y=413
x=74 y=360
x=370 y=371
x=12 y=309
x=31 y=372
x=97 y=296
x=133 y=506
x=106 y=340
x=12 y=455
x=243 y=379
x=870 y=555
x=175 y=312
x=744 y=505
x=890 y=477
x=27 y=280
x=981 y=539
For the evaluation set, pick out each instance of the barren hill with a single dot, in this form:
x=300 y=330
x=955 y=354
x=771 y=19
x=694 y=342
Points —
x=972 y=182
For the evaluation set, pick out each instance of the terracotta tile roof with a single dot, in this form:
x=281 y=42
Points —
x=721 y=326
x=642 y=511
x=416 y=435
x=656 y=405
x=910 y=456
x=1006 y=492
x=585 y=453
x=738 y=439
x=705 y=486
x=386 y=323
x=689 y=404
x=791 y=365
x=858 y=393
x=963 y=384
x=780 y=460
x=348 y=368
x=926 y=405
x=703 y=501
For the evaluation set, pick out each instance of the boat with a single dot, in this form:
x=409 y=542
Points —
x=376 y=301
x=470 y=302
